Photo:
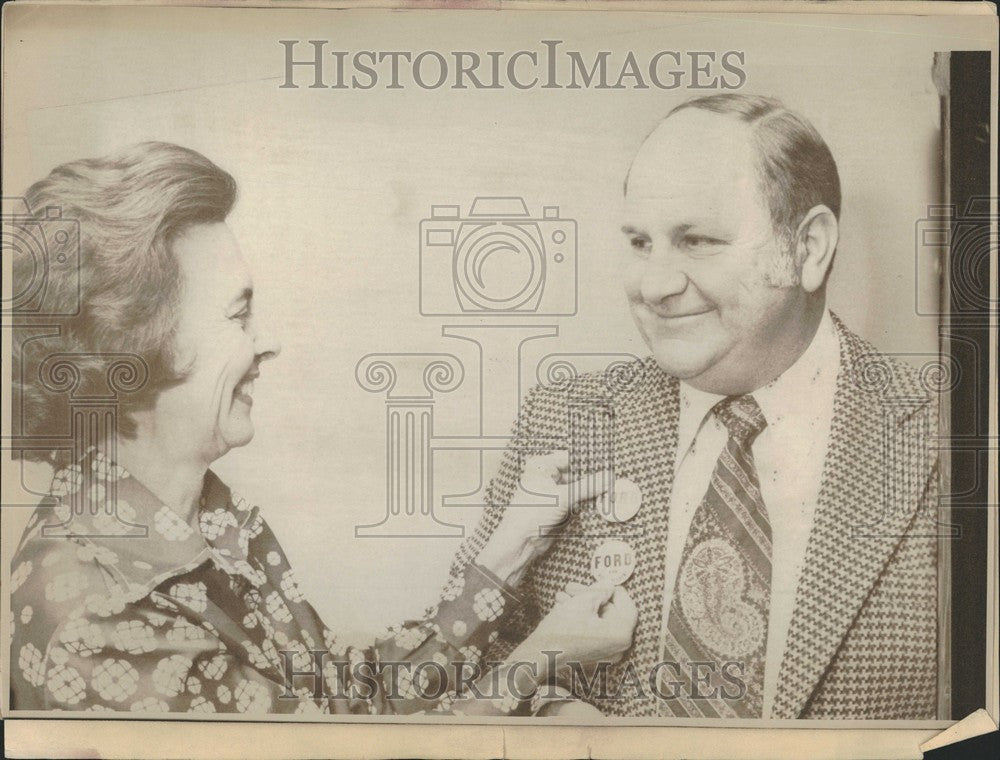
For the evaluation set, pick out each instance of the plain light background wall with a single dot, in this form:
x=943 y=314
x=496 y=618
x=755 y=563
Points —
x=334 y=184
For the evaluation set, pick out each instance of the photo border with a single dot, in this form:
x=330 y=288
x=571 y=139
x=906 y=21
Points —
x=69 y=736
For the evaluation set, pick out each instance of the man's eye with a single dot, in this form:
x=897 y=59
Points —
x=702 y=241
x=242 y=316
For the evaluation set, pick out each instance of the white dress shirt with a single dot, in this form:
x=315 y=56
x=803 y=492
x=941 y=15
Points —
x=788 y=455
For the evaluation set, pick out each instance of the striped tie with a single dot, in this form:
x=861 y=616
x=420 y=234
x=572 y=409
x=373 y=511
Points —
x=717 y=625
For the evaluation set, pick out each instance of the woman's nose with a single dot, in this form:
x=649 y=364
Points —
x=266 y=346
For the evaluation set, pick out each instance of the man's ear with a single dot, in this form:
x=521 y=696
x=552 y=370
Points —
x=816 y=242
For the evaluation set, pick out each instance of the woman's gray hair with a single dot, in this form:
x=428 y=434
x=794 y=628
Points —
x=130 y=206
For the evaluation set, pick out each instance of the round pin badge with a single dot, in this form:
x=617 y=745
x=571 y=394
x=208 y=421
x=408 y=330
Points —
x=613 y=562
x=625 y=504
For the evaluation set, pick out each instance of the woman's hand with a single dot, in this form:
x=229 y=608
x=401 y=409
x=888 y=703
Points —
x=525 y=533
x=587 y=625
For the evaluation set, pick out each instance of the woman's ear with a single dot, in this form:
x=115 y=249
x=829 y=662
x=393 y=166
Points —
x=816 y=244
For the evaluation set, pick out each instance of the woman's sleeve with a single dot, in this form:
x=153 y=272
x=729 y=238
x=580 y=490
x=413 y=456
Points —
x=418 y=666
x=428 y=665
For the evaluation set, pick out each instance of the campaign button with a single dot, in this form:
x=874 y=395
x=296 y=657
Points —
x=613 y=562
x=626 y=502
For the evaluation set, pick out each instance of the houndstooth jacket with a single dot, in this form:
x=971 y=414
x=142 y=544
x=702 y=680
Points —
x=862 y=643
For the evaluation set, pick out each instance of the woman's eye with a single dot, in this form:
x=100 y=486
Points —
x=243 y=317
x=639 y=244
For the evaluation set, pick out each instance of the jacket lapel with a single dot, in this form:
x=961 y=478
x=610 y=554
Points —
x=865 y=505
x=645 y=446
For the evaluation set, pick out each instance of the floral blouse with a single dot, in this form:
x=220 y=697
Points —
x=212 y=620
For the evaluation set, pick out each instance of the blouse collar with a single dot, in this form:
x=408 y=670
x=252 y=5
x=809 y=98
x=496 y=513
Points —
x=140 y=540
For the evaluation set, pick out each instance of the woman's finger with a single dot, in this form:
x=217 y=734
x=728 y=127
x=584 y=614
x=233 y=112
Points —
x=598 y=596
x=544 y=474
x=554 y=464
x=623 y=599
x=622 y=606
x=587 y=488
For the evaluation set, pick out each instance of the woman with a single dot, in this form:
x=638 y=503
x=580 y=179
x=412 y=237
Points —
x=199 y=610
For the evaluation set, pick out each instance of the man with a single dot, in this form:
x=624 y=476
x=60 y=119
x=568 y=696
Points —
x=784 y=547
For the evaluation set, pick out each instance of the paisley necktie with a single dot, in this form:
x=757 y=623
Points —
x=716 y=633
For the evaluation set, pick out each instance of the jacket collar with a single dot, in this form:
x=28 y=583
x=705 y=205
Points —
x=866 y=504
x=136 y=537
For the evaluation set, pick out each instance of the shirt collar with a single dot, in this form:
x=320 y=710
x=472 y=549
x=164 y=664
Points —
x=141 y=540
x=795 y=392
x=694 y=408
x=816 y=369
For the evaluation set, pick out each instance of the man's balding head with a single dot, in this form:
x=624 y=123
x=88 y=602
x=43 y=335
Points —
x=796 y=170
x=731 y=212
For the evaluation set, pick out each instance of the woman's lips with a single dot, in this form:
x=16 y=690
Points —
x=244 y=391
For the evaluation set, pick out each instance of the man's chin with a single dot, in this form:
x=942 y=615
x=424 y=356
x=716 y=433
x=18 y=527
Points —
x=678 y=360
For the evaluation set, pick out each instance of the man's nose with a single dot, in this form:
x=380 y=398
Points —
x=662 y=278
